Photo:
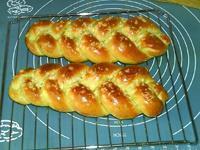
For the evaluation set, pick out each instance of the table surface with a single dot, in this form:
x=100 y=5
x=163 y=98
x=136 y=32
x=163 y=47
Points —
x=185 y=20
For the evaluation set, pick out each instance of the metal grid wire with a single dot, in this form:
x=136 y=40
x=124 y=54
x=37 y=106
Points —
x=87 y=132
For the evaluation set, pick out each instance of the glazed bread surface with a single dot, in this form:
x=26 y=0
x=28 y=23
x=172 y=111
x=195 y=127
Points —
x=99 y=90
x=108 y=39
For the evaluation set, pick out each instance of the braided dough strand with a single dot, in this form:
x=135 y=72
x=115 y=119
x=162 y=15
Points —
x=108 y=39
x=95 y=91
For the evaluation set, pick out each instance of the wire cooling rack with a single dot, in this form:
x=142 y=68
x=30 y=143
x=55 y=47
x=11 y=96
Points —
x=30 y=127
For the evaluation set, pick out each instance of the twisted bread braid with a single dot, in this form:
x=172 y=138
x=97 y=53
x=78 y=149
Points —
x=108 y=39
x=94 y=91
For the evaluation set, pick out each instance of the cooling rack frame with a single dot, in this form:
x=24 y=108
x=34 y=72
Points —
x=159 y=13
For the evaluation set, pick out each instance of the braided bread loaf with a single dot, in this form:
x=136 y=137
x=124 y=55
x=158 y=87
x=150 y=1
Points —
x=108 y=39
x=94 y=91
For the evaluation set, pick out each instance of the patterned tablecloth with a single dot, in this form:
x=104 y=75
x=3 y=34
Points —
x=186 y=30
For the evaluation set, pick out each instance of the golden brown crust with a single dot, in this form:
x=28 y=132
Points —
x=69 y=48
x=147 y=101
x=32 y=92
x=55 y=96
x=153 y=44
x=93 y=49
x=107 y=24
x=69 y=72
x=58 y=27
x=135 y=24
x=94 y=91
x=80 y=24
x=114 y=99
x=101 y=69
x=107 y=39
x=46 y=68
x=84 y=101
x=48 y=45
x=130 y=73
x=125 y=50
